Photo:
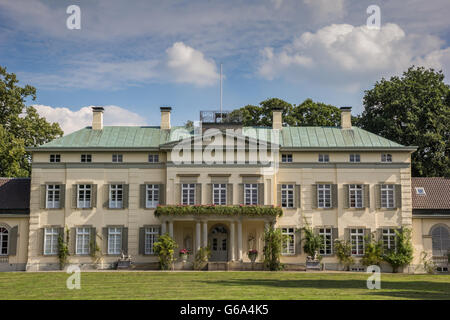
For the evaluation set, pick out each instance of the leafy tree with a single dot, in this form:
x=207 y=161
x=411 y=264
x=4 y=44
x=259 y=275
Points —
x=413 y=110
x=343 y=250
x=311 y=242
x=20 y=126
x=165 y=248
x=273 y=244
x=373 y=252
x=310 y=113
x=403 y=253
x=262 y=115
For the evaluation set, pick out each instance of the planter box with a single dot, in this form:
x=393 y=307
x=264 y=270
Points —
x=123 y=264
x=313 y=265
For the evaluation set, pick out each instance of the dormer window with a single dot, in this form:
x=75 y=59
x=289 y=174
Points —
x=420 y=191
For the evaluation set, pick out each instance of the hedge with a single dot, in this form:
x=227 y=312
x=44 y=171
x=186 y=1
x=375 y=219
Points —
x=204 y=210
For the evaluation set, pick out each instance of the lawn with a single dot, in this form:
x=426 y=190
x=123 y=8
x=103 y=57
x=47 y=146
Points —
x=221 y=285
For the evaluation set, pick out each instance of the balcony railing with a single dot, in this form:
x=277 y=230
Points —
x=213 y=210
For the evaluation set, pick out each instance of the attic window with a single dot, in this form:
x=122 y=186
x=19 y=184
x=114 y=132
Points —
x=420 y=191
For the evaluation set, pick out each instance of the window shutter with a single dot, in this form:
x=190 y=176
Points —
x=43 y=191
x=142 y=196
x=230 y=194
x=94 y=196
x=106 y=196
x=241 y=193
x=105 y=240
x=378 y=196
x=261 y=194
x=297 y=196
x=298 y=241
x=61 y=233
x=334 y=235
x=347 y=234
x=279 y=195
x=126 y=193
x=380 y=234
x=125 y=240
x=93 y=239
x=12 y=246
x=209 y=193
x=162 y=194
x=367 y=235
x=142 y=241
x=40 y=240
x=334 y=195
x=367 y=196
x=72 y=241
x=178 y=193
x=346 y=195
x=198 y=193
x=62 y=199
x=398 y=195
x=314 y=196
x=316 y=231
x=74 y=196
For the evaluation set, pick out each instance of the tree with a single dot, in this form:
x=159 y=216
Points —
x=20 y=126
x=262 y=115
x=403 y=253
x=273 y=244
x=310 y=113
x=373 y=252
x=311 y=242
x=413 y=110
x=343 y=251
x=164 y=248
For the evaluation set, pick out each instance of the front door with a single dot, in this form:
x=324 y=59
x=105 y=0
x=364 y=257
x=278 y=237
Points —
x=218 y=239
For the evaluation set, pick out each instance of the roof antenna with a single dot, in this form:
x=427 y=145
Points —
x=221 y=116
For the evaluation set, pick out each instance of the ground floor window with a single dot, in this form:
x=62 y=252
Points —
x=82 y=240
x=51 y=241
x=389 y=239
x=357 y=241
x=4 y=238
x=114 y=240
x=289 y=244
x=327 y=246
x=151 y=236
x=440 y=240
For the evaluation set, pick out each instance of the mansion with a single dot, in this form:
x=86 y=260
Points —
x=103 y=187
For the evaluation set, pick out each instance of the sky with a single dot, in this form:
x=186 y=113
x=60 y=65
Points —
x=133 y=57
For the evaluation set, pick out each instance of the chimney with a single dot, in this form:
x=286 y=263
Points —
x=97 y=118
x=165 y=117
x=346 y=117
x=277 y=122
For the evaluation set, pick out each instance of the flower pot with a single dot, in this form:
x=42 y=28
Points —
x=252 y=257
x=184 y=257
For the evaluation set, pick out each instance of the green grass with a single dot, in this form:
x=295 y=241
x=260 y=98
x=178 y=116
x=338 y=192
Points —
x=221 y=285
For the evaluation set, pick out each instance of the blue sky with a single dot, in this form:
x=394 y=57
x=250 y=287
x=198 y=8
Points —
x=135 y=56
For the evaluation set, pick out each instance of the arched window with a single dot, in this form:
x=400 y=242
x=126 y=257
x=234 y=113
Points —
x=440 y=240
x=4 y=238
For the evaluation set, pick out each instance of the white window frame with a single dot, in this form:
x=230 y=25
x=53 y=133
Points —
x=324 y=157
x=83 y=238
x=116 y=196
x=356 y=191
x=356 y=240
x=389 y=238
x=287 y=195
x=153 y=158
x=84 y=190
x=54 y=158
x=327 y=248
x=188 y=194
x=4 y=233
x=387 y=196
x=324 y=196
x=51 y=235
x=355 y=157
x=117 y=158
x=386 y=157
x=288 y=248
x=53 y=196
x=152 y=194
x=86 y=158
x=251 y=194
x=151 y=235
x=114 y=240
x=286 y=157
x=219 y=194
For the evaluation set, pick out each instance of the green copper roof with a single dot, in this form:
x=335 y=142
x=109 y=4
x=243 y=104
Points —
x=116 y=137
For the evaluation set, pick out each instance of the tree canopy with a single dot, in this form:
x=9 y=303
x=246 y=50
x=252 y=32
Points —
x=413 y=110
x=20 y=126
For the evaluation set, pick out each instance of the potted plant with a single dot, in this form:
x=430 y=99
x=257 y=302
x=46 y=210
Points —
x=252 y=254
x=184 y=253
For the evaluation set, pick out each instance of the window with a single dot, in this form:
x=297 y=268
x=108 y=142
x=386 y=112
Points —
x=355 y=158
x=116 y=196
x=51 y=241
x=440 y=240
x=55 y=158
x=355 y=195
x=327 y=246
x=357 y=241
x=86 y=158
x=289 y=245
x=4 y=238
x=84 y=196
x=117 y=158
x=152 y=195
x=219 y=194
x=287 y=195
x=114 y=240
x=420 y=191
x=324 y=158
x=53 y=196
x=188 y=193
x=324 y=195
x=82 y=240
x=151 y=236
x=389 y=239
x=250 y=194
x=387 y=195
x=286 y=157
x=153 y=158
x=386 y=157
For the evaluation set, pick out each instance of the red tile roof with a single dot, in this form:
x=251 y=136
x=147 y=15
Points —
x=437 y=193
x=14 y=195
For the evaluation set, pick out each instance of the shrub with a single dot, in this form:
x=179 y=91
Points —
x=373 y=252
x=63 y=249
x=201 y=258
x=165 y=248
x=273 y=242
x=312 y=242
x=343 y=252
x=403 y=254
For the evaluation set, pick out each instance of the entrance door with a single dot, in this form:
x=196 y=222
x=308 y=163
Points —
x=218 y=239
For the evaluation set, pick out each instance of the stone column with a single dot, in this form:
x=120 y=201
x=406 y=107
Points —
x=232 y=247
x=239 y=240
x=163 y=227
x=205 y=233
x=197 y=235
x=171 y=228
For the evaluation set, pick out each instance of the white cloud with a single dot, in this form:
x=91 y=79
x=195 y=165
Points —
x=350 y=56
x=71 y=121
x=188 y=65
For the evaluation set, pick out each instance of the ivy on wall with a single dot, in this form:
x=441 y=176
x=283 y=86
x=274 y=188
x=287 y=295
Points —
x=255 y=211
